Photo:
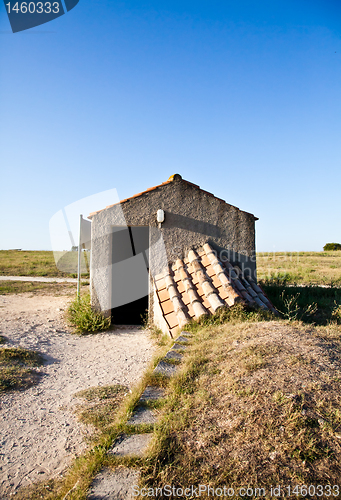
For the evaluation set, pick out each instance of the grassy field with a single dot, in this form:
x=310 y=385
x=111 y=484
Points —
x=320 y=268
x=317 y=268
x=277 y=273
x=40 y=263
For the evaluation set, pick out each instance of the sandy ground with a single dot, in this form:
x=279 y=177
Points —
x=39 y=432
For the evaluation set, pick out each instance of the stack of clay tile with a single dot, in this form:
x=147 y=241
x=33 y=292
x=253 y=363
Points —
x=201 y=284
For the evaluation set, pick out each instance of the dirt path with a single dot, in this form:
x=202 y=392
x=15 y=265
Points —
x=39 y=434
x=39 y=279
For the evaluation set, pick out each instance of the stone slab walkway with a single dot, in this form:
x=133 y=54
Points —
x=118 y=484
x=114 y=485
x=132 y=445
x=142 y=415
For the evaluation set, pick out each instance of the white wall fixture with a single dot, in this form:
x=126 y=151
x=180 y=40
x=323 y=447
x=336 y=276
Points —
x=160 y=216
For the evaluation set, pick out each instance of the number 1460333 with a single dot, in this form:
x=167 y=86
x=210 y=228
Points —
x=33 y=7
x=314 y=491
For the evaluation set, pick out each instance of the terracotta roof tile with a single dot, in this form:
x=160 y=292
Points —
x=163 y=295
x=191 y=311
x=201 y=284
x=160 y=284
x=172 y=320
x=167 y=307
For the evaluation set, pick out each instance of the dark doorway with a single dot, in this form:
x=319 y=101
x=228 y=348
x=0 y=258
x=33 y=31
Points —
x=130 y=274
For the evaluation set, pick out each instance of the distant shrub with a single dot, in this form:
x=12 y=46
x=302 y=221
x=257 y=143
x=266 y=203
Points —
x=332 y=246
x=84 y=318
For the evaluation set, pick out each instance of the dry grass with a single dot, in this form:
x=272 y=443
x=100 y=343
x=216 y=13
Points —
x=257 y=404
x=300 y=267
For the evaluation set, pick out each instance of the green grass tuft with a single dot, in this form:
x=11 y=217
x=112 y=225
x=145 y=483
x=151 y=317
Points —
x=101 y=404
x=19 y=356
x=14 y=368
x=84 y=319
x=101 y=392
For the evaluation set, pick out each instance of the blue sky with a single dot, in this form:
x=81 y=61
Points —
x=242 y=98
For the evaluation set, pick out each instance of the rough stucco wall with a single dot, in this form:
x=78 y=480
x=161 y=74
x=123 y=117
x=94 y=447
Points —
x=192 y=217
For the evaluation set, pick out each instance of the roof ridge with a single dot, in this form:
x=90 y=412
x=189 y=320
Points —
x=172 y=178
x=131 y=197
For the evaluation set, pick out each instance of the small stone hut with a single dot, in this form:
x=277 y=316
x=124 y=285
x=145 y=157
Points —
x=174 y=250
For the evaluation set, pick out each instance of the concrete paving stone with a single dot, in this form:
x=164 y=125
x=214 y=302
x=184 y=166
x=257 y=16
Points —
x=114 y=484
x=181 y=339
x=142 y=415
x=152 y=394
x=134 y=444
x=186 y=334
x=164 y=368
x=178 y=347
x=173 y=355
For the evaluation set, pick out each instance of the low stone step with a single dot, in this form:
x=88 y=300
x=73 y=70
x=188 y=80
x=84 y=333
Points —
x=134 y=444
x=173 y=355
x=187 y=334
x=142 y=415
x=182 y=338
x=152 y=394
x=177 y=347
x=114 y=484
x=164 y=368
